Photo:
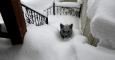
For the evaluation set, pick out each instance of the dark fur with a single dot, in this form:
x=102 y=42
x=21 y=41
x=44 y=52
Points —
x=66 y=30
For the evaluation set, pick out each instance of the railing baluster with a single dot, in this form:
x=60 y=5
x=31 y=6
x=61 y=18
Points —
x=57 y=10
x=33 y=17
x=61 y=10
x=53 y=8
x=38 y=19
x=47 y=12
x=50 y=11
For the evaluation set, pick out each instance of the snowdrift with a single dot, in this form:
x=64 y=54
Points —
x=92 y=7
x=103 y=24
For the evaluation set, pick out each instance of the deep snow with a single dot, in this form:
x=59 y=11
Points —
x=42 y=43
x=45 y=43
x=103 y=24
x=68 y=4
x=92 y=6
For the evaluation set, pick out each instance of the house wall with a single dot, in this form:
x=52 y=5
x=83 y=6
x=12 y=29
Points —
x=85 y=24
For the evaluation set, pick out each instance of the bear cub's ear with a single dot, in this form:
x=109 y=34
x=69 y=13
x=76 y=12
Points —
x=71 y=26
x=61 y=25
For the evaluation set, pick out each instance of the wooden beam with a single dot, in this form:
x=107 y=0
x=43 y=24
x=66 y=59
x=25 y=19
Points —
x=12 y=14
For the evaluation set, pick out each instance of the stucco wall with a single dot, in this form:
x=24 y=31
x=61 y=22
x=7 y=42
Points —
x=85 y=25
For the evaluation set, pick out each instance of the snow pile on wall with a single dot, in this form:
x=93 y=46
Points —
x=103 y=24
x=92 y=7
x=68 y=4
x=88 y=52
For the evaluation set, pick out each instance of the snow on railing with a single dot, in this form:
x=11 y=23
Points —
x=64 y=8
x=68 y=4
x=33 y=17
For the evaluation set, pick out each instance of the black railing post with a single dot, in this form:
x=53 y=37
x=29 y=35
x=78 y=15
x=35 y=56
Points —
x=81 y=5
x=34 y=17
x=53 y=8
x=46 y=20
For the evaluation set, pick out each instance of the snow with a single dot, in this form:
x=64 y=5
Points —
x=44 y=42
x=68 y=4
x=41 y=43
x=35 y=46
x=3 y=28
x=51 y=47
x=1 y=19
x=103 y=24
x=34 y=4
x=74 y=49
x=92 y=7
x=37 y=9
x=87 y=52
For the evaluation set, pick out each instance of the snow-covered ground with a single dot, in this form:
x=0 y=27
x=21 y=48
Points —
x=44 y=43
x=103 y=24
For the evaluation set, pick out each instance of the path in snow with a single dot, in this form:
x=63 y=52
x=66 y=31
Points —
x=44 y=43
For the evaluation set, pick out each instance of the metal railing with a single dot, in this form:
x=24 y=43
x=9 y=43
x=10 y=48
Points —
x=61 y=10
x=33 y=17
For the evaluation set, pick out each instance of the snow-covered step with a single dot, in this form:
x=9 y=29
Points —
x=103 y=24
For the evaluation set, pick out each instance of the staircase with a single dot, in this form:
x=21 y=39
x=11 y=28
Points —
x=57 y=8
x=33 y=17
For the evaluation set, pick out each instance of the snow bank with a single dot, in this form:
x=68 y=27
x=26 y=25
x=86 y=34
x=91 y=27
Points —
x=88 y=52
x=103 y=24
x=68 y=4
x=45 y=40
x=92 y=7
